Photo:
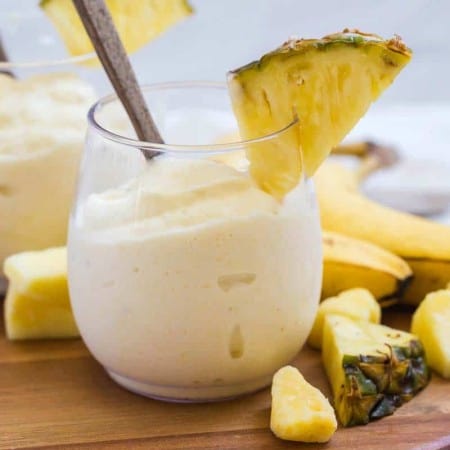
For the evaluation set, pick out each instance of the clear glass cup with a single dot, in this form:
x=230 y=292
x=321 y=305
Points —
x=189 y=283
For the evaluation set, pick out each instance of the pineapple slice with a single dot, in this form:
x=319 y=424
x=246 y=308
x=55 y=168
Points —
x=137 y=21
x=356 y=303
x=327 y=83
x=431 y=323
x=372 y=369
x=37 y=304
x=300 y=412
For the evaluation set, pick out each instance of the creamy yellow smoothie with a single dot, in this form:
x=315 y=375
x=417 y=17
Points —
x=42 y=128
x=188 y=282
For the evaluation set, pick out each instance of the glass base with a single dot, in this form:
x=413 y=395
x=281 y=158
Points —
x=188 y=394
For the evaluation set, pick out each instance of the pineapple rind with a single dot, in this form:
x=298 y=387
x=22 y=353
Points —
x=372 y=369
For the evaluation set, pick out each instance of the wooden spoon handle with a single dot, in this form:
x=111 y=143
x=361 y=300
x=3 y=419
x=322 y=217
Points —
x=109 y=48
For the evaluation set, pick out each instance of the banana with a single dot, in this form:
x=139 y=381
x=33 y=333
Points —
x=429 y=275
x=423 y=244
x=350 y=263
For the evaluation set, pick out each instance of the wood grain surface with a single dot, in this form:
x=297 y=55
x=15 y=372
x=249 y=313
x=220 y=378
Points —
x=53 y=395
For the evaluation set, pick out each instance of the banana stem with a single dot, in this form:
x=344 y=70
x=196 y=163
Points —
x=373 y=156
x=358 y=149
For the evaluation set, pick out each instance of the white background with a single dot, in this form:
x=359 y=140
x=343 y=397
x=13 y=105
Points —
x=224 y=34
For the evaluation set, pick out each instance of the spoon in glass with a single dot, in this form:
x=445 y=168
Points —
x=111 y=52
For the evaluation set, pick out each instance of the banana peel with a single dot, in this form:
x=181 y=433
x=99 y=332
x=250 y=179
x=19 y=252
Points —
x=350 y=263
x=429 y=275
x=423 y=244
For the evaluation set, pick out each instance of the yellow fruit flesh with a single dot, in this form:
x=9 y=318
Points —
x=137 y=21
x=431 y=323
x=355 y=303
x=37 y=304
x=327 y=83
x=300 y=412
x=339 y=334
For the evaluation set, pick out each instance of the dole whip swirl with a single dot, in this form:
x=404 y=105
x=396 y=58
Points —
x=42 y=127
x=190 y=282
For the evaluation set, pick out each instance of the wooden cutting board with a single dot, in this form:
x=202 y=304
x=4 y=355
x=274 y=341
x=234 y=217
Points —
x=54 y=395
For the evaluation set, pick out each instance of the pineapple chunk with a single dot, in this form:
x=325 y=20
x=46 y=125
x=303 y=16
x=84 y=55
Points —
x=37 y=304
x=431 y=322
x=327 y=83
x=137 y=21
x=372 y=369
x=300 y=412
x=356 y=303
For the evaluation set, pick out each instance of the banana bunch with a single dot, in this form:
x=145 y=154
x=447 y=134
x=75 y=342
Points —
x=423 y=245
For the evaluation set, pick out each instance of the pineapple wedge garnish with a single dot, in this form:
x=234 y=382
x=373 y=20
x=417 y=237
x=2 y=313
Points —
x=431 y=322
x=357 y=303
x=327 y=83
x=300 y=412
x=372 y=369
x=137 y=21
x=37 y=304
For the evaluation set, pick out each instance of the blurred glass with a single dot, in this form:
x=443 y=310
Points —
x=43 y=105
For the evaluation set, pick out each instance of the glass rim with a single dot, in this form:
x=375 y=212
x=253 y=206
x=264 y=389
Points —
x=177 y=148
x=11 y=65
